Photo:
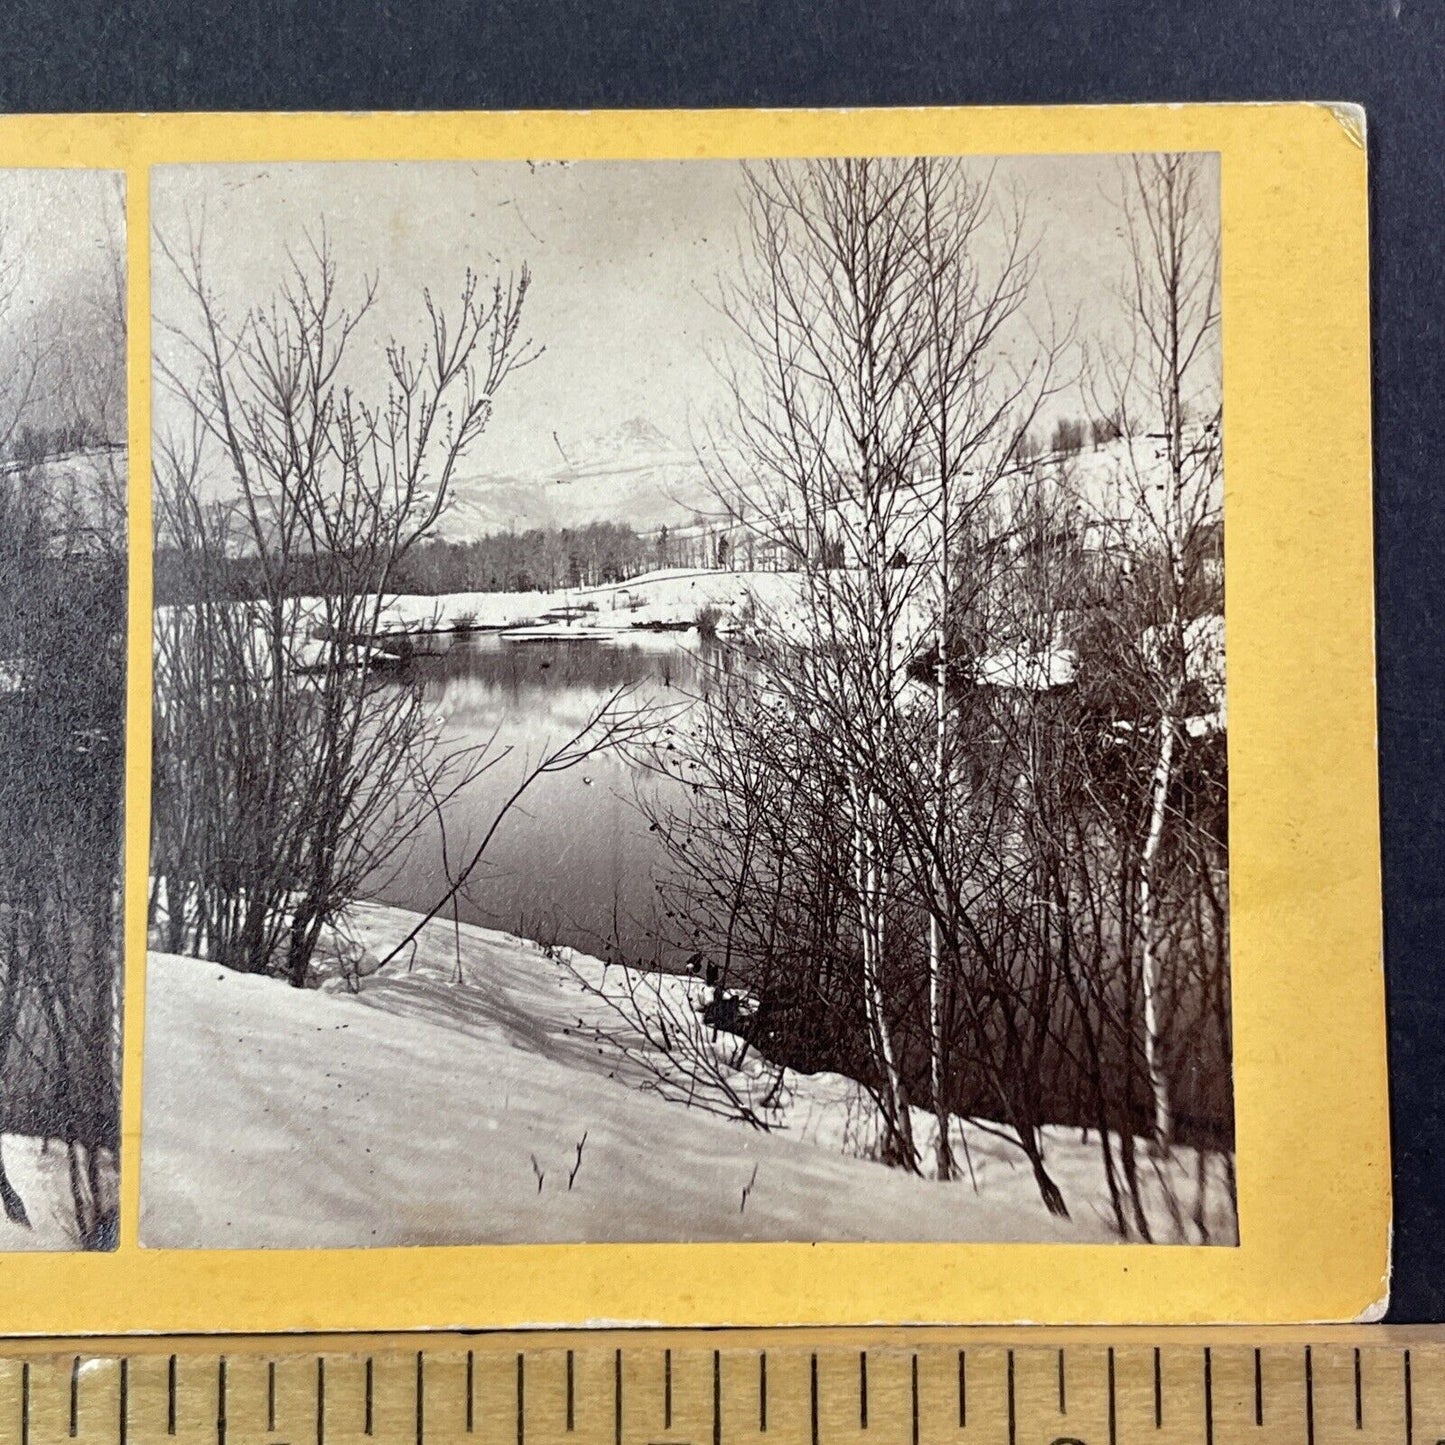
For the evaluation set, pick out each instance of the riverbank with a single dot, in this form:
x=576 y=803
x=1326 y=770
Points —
x=665 y=600
x=516 y=1106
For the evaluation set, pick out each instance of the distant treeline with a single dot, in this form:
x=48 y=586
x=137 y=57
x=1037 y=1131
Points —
x=34 y=444
x=538 y=560
x=1069 y=437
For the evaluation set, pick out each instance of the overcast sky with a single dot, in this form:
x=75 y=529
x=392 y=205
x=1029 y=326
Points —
x=61 y=239
x=625 y=258
x=58 y=228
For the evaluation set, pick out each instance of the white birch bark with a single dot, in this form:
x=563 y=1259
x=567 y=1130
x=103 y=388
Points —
x=868 y=885
x=943 y=1150
x=1151 y=971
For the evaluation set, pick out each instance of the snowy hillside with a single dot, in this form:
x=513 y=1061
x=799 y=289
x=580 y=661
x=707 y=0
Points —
x=506 y=1108
x=632 y=473
x=636 y=475
x=86 y=495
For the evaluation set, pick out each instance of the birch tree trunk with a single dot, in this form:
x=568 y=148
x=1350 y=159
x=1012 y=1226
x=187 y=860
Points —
x=1151 y=972
x=898 y=1145
x=937 y=1025
x=1173 y=293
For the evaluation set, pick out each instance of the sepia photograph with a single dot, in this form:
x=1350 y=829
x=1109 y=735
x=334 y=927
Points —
x=63 y=577
x=689 y=705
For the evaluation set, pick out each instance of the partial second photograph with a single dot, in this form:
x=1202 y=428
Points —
x=63 y=608
x=689 y=705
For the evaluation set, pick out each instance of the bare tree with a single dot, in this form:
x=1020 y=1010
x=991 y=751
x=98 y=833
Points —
x=287 y=781
x=977 y=409
x=305 y=775
x=1165 y=391
x=62 y=635
x=916 y=847
x=758 y=894
x=826 y=417
x=876 y=418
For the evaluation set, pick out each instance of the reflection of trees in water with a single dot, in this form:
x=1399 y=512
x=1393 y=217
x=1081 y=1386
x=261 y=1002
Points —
x=538 y=673
x=531 y=690
x=62 y=620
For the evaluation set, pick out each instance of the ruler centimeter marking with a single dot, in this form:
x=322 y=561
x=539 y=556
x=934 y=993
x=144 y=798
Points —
x=717 y=1397
x=1209 y=1393
x=1113 y=1405
x=1020 y=1393
x=915 y=1400
x=1012 y=1402
x=522 y=1397
x=1409 y=1404
x=1310 y=1395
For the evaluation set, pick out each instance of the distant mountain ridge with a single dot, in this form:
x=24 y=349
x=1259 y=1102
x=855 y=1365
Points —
x=637 y=475
x=632 y=473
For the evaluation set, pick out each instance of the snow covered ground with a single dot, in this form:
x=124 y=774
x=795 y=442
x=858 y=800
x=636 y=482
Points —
x=36 y=1169
x=513 y=1107
x=669 y=597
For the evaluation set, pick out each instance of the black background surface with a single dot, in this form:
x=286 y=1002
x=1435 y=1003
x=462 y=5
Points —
x=1387 y=54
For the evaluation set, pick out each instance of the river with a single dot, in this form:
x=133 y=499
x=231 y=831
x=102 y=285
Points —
x=576 y=862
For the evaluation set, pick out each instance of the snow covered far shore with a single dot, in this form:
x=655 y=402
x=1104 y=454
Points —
x=503 y=1109
x=670 y=597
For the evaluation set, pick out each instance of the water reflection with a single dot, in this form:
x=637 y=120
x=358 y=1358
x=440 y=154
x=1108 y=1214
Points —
x=576 y=863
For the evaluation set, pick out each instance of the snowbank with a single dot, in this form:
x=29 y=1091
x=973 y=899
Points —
x=37 y=1171
x=1021 y=669
x=501 y=1109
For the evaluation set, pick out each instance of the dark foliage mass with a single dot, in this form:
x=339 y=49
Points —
x=1041 y=1019
x=541 y=559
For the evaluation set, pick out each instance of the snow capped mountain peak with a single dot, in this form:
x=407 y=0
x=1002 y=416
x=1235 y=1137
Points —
x=632 y=442
x=631 y=472
x=633 y=434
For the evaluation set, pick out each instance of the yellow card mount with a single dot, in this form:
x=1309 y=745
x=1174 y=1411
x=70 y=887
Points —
x=1076 y=1387
x=960 y=904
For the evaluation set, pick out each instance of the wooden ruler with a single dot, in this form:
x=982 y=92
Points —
x=916 y=1387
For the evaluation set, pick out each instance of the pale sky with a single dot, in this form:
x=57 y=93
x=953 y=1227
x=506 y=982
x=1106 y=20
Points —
x=62 y=236
x=57 y=228
x=625 y=259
